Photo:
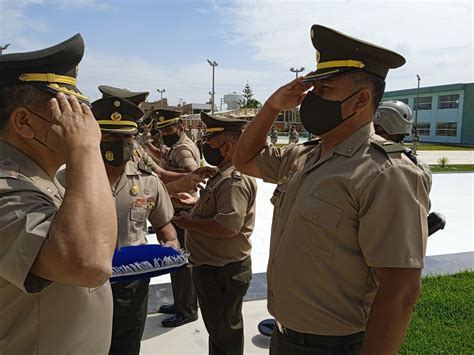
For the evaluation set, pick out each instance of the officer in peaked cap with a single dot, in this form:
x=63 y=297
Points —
x=42 y=126
x=216 y=125
x=139 y=196
x=336 y=201
x=182 y=156
x=218 y=234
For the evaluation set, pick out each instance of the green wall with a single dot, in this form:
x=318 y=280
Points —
x=467 y=131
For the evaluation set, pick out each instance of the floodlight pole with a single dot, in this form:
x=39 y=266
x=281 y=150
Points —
x=161 y=96
x=416 y=138
x=213 y=64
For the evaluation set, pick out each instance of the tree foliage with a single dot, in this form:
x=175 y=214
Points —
x=248 y=101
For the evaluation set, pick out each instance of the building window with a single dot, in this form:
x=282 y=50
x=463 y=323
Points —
x=423 y=128
x=446 y=129
x=448 y=101
x=423 y=103
x=405 y=100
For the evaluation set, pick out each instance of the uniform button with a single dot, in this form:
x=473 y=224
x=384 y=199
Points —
x=315 y=214
x=49 y=190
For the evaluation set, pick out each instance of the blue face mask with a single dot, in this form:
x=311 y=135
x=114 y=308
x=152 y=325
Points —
x=319 y=116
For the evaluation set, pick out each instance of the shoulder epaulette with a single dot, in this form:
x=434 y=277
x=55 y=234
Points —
x=314 y=141
x=388 y=146
x=145 y=168
x=236 y=175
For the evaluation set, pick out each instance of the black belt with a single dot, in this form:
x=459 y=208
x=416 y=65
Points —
x=324 y=340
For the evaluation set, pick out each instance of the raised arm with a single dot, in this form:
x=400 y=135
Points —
x=254 y=138
x=82 y=237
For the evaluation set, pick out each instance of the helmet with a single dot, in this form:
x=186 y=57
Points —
x=394 y=117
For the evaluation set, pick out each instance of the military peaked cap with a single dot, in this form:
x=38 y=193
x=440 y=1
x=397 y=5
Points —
x=163 y=118
x=52 y=69
x=116 y=115
x=216 y=125
x=136 y=97
x=337 y=53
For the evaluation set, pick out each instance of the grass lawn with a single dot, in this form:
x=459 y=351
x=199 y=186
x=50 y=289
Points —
x=452 y=168
x=443 y=320
x=428 y=146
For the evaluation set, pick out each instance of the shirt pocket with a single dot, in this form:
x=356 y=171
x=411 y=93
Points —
x=317 y=226
x=138 y=214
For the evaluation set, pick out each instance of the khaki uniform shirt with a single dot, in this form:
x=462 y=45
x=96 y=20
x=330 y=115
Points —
x=335 y=219
x=229 y=199
x=38 y=316
x=140 y=196
x=183 y=154
x=139 y=154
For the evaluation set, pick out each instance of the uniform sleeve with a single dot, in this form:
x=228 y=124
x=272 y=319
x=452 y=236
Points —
x=163 y=210
x=148 y=160
x=393 y=227
x=269 y=161
x=184 y=158
x=232 y=202
x=25 y=219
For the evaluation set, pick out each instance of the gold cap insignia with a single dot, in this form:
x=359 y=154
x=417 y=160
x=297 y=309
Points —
x=109 y=155
x=117 y=103
x=134 y=190
x=116 y=116
x=161 y=118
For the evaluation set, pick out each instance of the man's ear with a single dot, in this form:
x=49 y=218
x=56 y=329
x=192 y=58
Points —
x=364 y=99
x=20 y=122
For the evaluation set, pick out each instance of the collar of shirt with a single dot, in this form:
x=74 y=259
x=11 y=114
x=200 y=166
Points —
x=26 y=165
x=352 y=143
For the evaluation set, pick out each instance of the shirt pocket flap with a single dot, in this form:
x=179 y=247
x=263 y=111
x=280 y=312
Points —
x=138 y=214
x=320 y=212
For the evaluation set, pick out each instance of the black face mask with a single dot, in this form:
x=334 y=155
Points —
x=212 y=155
x=116 y=153
x=319 y=116
x=171 y=139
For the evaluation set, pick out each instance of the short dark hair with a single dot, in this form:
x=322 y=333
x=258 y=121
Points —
x=376 y=83
x=235 y=136
x=13 y=96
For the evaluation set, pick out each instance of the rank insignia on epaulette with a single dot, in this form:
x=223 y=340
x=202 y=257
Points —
x=143 y=167
x=236 y=175
x=8 y=169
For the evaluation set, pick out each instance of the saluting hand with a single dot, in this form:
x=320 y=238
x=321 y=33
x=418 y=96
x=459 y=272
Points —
x=289 y=96
x=73 y=123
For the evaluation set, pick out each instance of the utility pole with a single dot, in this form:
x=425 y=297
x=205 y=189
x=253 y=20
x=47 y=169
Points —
x=161 y=94
x=213 y=64
x=296 y=71
x=416 y=138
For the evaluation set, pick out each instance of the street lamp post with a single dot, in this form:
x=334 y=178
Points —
x=213 y=64
x=296 y=71
x=416 y=138
x=161 y=91
x=2 y=48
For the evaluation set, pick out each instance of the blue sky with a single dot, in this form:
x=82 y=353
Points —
x=145 y=45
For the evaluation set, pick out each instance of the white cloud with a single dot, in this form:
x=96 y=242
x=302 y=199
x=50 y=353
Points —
x=435 y=37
